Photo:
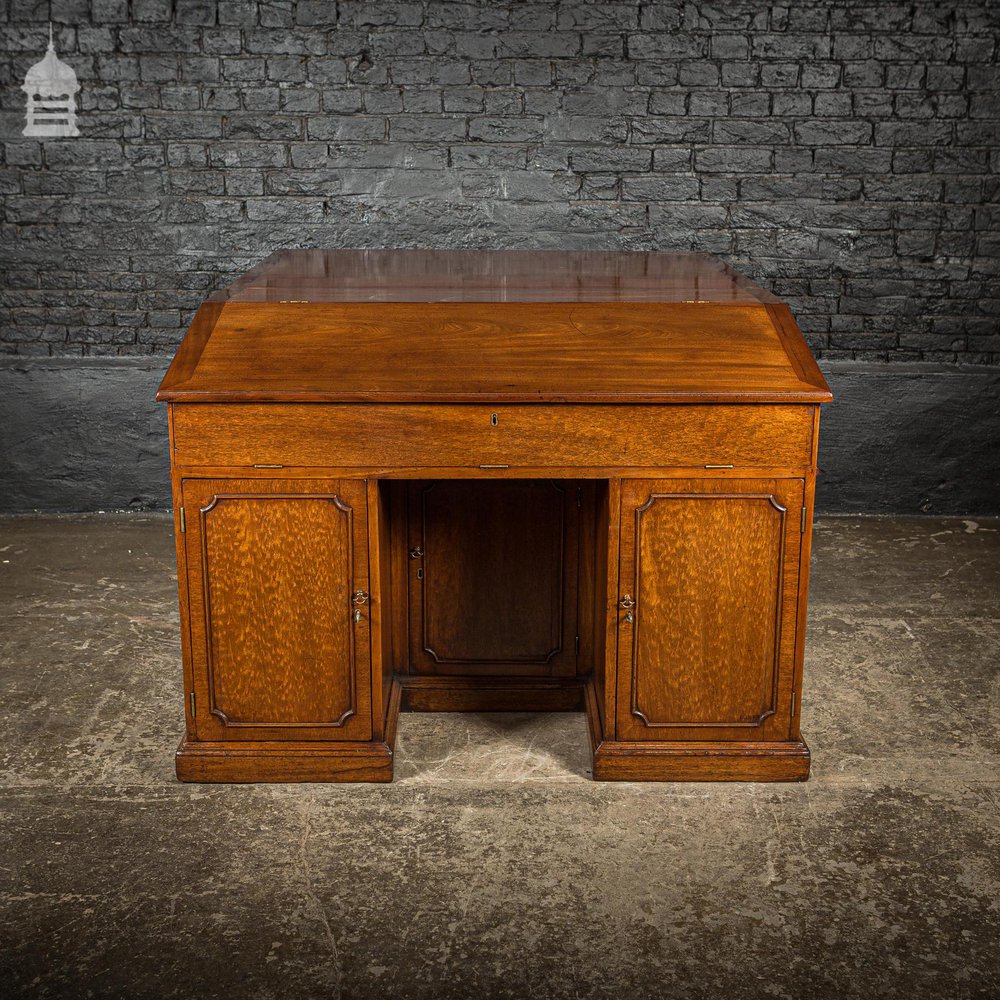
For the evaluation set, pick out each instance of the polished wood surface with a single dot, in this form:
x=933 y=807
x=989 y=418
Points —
x=272 y=568
x=436 y=436
x=292 y=760
x=381 y=602
x=518 y=352
x=690 y=760
x=507 y=328
x=493 y=449
x=490 y=693
x=493 y=577
x=710 y=568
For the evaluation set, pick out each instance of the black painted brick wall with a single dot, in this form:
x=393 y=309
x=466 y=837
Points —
x=845 y=154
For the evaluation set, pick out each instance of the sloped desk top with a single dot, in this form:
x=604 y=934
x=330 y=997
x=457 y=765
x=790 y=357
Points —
x=396 y=326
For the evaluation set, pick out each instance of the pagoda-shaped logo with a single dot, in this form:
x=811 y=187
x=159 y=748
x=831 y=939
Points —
x=51 y=86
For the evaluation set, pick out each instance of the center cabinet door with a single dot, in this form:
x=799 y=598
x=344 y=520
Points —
x=493 y=577
x=277 y=576
x=707 y=608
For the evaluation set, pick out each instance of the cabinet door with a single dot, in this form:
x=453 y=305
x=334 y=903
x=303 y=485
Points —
x=280 y=636
x=493 y=577
x=708 y=584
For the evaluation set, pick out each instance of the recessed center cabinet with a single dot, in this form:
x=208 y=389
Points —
x=435 y=481
x=493 y=577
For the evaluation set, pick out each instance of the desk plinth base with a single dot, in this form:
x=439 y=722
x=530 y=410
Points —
x=253 y=761
x=692 y=760
x=246 y=762
x=701 y=761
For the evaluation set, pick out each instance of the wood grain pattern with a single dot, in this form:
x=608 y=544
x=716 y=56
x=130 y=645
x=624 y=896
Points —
x=533 y=353
x=757 y=761
x=274 y=567
x=183 y=598
x=292 y=760
x=380 y=601
x=188 y=354
x=713 y=571
x=399 y=568
x=588 y=572
x=802 y=605
x=403 y=473
x=494 y=589
x=438 y=436
x=708 y=576
x=692 y=760
x=247 y=762
x=334 y=325
x=608 y=548
x=491 y=694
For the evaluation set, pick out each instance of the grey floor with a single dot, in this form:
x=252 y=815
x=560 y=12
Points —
x=493 y=866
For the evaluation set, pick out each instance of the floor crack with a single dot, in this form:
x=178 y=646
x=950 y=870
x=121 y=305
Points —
x=314 y=900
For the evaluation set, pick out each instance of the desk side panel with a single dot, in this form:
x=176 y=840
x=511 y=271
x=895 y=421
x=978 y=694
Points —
x=190 y=716
x=379 y=574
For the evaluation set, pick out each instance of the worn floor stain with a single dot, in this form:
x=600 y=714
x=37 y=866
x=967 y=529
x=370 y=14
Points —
x=494 y=866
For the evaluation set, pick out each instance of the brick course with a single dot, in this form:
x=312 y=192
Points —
x=844 y=154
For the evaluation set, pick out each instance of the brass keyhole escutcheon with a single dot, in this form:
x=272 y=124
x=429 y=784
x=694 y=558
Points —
x=357 y=614
x=494 y=419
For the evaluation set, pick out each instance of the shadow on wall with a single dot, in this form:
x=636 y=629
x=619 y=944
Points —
x=910 y=439
x=80 y=435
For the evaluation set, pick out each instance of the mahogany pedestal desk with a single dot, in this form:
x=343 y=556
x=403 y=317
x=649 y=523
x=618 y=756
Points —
x=445 y=481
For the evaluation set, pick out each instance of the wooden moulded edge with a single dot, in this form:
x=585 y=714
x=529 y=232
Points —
x=693 y=760
x=799 y=355
x=174 y=393
x=188 y=355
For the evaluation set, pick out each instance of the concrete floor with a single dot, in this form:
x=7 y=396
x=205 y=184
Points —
x=493 y=866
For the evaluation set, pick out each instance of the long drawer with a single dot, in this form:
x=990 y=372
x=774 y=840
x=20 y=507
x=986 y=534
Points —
x=349 y=435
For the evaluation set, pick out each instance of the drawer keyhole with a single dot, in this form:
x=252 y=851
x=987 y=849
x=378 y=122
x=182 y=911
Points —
x=494 y=419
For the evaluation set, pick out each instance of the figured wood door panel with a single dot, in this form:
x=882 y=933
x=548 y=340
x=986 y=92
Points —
x=712 y=569
x=279 y=650
x=493 y=575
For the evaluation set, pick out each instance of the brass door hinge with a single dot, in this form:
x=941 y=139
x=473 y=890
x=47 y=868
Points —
x=793 y=704
x=194 y=704
x=802 y=525
x=183 y=522
x=578 y=647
